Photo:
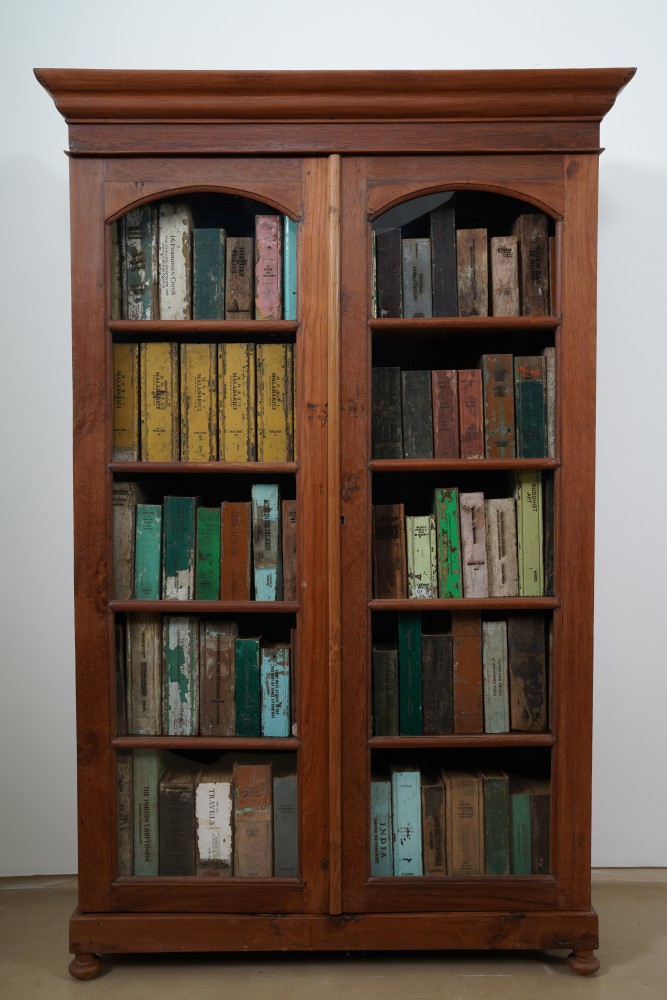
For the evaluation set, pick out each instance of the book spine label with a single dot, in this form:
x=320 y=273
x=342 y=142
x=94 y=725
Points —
x=501 y=548
x=253 y=821
x=248 y=718
x=125 y=402
x=266 y=542
x=495 y=683
x=289 y=550
x=498 y=387
x=504 y=254
x=443 y=259
x=530 y=534
x=144 y=671
x=217 y=670
x=275 y=402
x=530 y=395
x=199 y=403
x=147 y=552
x=289 y=267
x=448 y=542
x=416 y=275
x=268 y=267
x=467 y=673
x=406 y=822
x=139 y=267
x=472 y=272
x=410 y=674
x=285 y=827
x=387 y=424
x=388 y=269
x=381 y=831
x=178 y=548
x=473 y=545
x=145 y=783
x=207 y=554
x=160 y=402
x=240 y=278
x=445 y=393
x=180 y=645
x=213 y=815
x=208 y=274
x=421 y=556
x=275 y=690
x=417 y=414
x=175 y=261
x=389 y=555
x=235 y=573
x=177 y=825
x=471 y=413
x=385 y=689
x=236 y=389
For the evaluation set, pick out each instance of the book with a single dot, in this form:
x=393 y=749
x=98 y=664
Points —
x=208 y=273
x=124 y=498
x=389 y=551
x=253 y=820
x=382 y=855
x=388 y=271
x=463 y=823
x=501 y=547
x=180 y=672
x=410 y=674
x=213 y=821
x=548 y=501
x=288 y=536
x=549 y=354
x=526 y=656
x=529 y=534
x=117 y=307
x=268 y=267
x=275 y=689
x=235 y=550
x=498 y=390
x=532 y=231
x=266 y=542
x=175 y=260
x=442 y=221
x=207 y=554
x=472 y=274
x=240 y=278
x=139 y=263
x=467 y=672
x=199 y=403
x=146 y=771
x=248 y=710
x=421 y=555
x=217 y=677
x=473 y=545
x=416 y=278
x=406 y=817
x=434 y=823
x=495 y=682
x=120 y=670
x=124 y=813
x=448 y=541
x=177 y=820
x=540 y=825
x=143 y=659
x=417 y=414
x=471 y=413
x=530 y=403
x=160 y=402
x=520 y=828
x=437 y=689
x=445 y=397
x=178 y=547
x=387 y=417
x=237 y=430
x=504 y=257
x=148 y=551
x=285 y=821
x=384 y=670
x=495 y=801
x=125 y=402
x=289 y=267
x=275 y=402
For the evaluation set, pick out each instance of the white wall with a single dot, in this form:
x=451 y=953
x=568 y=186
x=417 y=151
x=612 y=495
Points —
x=37 y=787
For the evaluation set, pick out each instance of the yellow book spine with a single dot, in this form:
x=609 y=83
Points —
x=275 y=403
x=199 y=403
x=530 y=536
x=236 y=388
x=160 y=409
x=125 y=402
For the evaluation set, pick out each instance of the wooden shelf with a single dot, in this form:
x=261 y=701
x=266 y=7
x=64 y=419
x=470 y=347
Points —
x=203 y=468
x=236 y=743
x=463 y=324
x=468 y=741
x=206 y=607
x=509 y=604
x=210 y=329
x=460 y=464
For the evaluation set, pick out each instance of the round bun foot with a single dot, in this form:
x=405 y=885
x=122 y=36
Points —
x=85 y=966
x=583 y=962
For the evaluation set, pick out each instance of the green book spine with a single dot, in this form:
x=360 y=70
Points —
x=248 y=711
x=289 y=268
x=529 y=534
x=410 y=674
x=530 y=403
x=178 y=548
x=207 y=558
x=448 y=542
x=180 y=665
x=145 y=785
x=520 y=828
x=147 y=549
x=496 y=823
x=208 y=273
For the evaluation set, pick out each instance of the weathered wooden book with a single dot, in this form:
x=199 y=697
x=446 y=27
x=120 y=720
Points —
x=385 y=688
x=434 y=823
x=146 y=771
x=160 y=402
x=520 y=831
x=213 y=820
x=529 y=534
x=143 y=637
x=208 y=273
x=125 y=497
x=498 y=388
x=217 y=671
x=416 y=278
x=504 y=255
x=472 y=272
x=125 y=402
x=421 y=555
x=530 y=403
x=207 y=554
x=496 y=809
x=288 y=515
x=527 y=666
x=471 y=413
x=389 y=555
x=285 y=820
x=495 y=679
x=235 y=551
x=445 y=396
x=387 y=419
x=532 y=231
x=548 y=498
x=275 y=689
x=199 y=403
x=275 y=402
x=139 y=263
x=437 y=684
x=417 y=414
x=267 y=542
x=549 y=354
x=501 y=551
x=406 y=820
x=382 y=859
x=473 y=545
x=448 y=541
x=180 y=673
x=289 y=267
x=443 y=259
x=253 y=820
x=464 y=822
x=410 y=674
x=467 y=672
x=240 y=278
x=177 y=820
x=124 y=816
x=248 y=711
x=179 y=517
x=388 y=269
x=268 y=267
x=148 y=552
x=540 y=825
x=175 y=261
x=237 y=431
x=120 y=665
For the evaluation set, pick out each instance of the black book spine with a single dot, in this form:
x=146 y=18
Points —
x=388 y=267
x=437 y=692
x=443 y=259
x=387 y=429
x=417 y=410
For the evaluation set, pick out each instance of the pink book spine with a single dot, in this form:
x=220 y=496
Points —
x=268 y=267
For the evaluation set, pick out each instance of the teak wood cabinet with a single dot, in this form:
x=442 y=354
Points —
x=334 y=152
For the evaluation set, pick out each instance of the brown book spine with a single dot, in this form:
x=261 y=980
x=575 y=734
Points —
x=437 y=700
x=501 y=550
x=467 y=673
x=472 y=272
x=532 y=230
x=499 y=427
x=268 y=267
x=504 y=254
x=390 y=578
x=235 y=549
x=445 y=393
x=526 y=659
x=289 y=550
x=240 y=278
x=471 y=413
x=253 y=824
x=217 y=704
x=433 y=825
x=540 y=825
x=464 y=823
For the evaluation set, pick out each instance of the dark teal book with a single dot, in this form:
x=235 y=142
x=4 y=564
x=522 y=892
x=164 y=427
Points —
x=495 y=798
x=410 y=674
x=147 y=552
x=520 y=827
x=248 y=711
x=178 y=548
x=208 y=274
x=207 y=554
x=285 y=822
x=289 y=268
x=530 y=405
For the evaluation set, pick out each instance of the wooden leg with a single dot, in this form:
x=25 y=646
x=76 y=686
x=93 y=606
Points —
x=583 y=962
x=85 y=966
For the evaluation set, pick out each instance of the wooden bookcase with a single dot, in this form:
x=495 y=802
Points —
x=335 y=152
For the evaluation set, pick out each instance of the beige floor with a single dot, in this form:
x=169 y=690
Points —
x=632 y=906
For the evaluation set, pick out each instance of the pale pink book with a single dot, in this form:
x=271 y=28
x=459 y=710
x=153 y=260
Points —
x=268 y=267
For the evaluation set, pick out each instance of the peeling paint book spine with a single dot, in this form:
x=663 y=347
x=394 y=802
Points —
x=275 y=689
x=527 y=666
x=406 y=821
x=501 y=550
x=207 y=554
x=421 y=556
x=160 y=402
x=199 y=403
x=253 y=820
x=472 y=272
x=208 y=273
x=214 y=826
x=495 y=679
x=175 y=261
x=268 y=267
x=416 y=278
x=473 y=545
x=530 y=402
x=504 y=255
x=275 y=402
x=448 y=541
x=498 y=388
x=467 y=672
x=178 y=548
x=532 y=231
x=266 y=542
x=240 y=278
x=139 y=263
x=143 y=639
x=217 y=678
x=147 y=552
x=410 y=674
x=125 y=402
x=180 y=665
x=237 y=431
x=248 y=711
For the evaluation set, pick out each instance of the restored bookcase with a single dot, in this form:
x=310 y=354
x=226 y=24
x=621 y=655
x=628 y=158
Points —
x=335 y=152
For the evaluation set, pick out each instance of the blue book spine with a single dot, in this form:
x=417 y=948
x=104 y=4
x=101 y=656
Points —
x=275 y=690
x=407 y=822
x=382 y=862
x=266 y=542
x=289 y=268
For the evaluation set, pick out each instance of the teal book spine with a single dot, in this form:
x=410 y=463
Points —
x=285 y=826
x=520 y=827
x=147 y=552
x=180 y=672
x=248 y=718
x=495 y=787
x=275 y=689
x=289 y=268
x=382 y=855
x=410 y=674
x=145 y=789
x=495 y=679
x=178 y=548
x=207 y=554
x=448 y=542
x=266 y=542
x=208 y=274
x=139 y=270
x=530 y=404
x=406 y=822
